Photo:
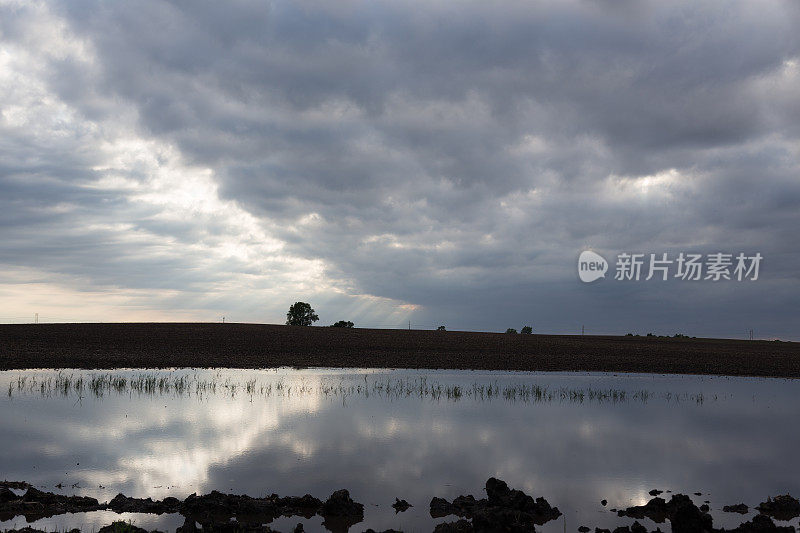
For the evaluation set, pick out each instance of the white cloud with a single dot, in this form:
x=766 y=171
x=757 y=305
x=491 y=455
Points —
x=400 y=159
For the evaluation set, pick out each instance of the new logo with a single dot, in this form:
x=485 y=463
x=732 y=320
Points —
x=591 y=266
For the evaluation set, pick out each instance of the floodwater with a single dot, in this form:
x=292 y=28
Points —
x=573 y=438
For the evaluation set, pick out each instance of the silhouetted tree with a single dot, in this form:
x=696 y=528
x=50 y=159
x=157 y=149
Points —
x=343 y=324
x=527 y=330
x=441 y=328
x=511 y=330
x=301 y=314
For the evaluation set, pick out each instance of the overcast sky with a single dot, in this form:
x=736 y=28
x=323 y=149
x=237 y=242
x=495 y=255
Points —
x=438 y=162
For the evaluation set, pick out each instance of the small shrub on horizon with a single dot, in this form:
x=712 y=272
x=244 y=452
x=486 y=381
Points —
x=342 y=324
x=526 y=330
x=511 y=330
x=441 y=328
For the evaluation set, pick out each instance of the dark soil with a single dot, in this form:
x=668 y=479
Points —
x=161 y=345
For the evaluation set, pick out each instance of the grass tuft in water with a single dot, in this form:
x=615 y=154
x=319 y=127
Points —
x=179 y=384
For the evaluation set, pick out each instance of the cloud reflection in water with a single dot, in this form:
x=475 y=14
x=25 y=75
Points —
x=384 y=434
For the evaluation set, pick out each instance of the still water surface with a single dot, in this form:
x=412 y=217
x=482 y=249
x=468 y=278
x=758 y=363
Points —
x=574 y=438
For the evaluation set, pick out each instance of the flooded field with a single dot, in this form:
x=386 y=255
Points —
x=573 y=438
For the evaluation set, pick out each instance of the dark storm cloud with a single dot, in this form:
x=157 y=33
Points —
x=459 y=156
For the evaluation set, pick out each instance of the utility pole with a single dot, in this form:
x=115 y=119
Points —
x=409 y=325
x=751 y=334
x=582 y=330
x=223 y=320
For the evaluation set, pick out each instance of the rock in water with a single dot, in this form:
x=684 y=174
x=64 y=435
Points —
x=124 y=504
x=441 y=507
x=400 y=505
x=762 y=524
x=340 y=504
x=687 y=518
x=504 y=509
x=681 y=512
x=738 y=508
x=781 y=507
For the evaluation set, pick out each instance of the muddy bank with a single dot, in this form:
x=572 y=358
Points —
x=35 y=504
x=162 y=345
x=212 y=511
x=503 y=509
